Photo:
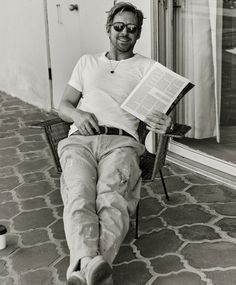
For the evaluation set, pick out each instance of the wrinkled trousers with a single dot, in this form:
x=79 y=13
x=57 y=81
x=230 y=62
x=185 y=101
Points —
x=100 y=187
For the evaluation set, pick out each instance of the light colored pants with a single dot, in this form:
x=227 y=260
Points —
x=100 y=186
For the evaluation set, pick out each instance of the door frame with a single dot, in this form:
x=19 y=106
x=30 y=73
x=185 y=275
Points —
x=49 y=99
x=165 y=20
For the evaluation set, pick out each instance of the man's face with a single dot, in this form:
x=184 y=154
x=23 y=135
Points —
x=124 y=41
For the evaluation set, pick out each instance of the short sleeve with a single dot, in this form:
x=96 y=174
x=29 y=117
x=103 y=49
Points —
x=76 y=79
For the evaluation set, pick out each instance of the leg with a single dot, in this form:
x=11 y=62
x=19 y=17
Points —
x=78 y=188
x=118 y=191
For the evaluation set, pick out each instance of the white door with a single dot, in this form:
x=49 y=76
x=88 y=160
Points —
x=75 y=27
x=64 y=43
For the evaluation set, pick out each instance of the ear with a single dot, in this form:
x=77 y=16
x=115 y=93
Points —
x=139 y=34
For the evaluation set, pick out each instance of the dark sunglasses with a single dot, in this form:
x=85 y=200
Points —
x=119 y=27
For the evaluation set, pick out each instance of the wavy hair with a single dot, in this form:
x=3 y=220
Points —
x=121 y=7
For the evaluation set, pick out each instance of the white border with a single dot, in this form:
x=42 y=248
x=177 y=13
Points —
x=203 y=158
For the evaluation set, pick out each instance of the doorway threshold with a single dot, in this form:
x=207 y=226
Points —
x=207 y=171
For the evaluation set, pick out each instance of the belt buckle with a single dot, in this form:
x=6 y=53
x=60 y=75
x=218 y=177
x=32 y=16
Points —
x=120 y=132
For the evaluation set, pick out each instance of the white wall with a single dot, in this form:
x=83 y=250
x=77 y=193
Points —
x=23 y=55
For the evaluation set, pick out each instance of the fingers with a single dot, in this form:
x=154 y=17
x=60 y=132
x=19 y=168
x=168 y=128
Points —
x=87 y=123
x=158 y=122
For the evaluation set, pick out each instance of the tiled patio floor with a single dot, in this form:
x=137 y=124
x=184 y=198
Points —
x=190 y=240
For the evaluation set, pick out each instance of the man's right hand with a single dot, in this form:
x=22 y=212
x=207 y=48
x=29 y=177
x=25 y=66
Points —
x=86 y=122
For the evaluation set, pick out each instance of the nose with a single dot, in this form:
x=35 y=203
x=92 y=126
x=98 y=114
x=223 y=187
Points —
x=124 y=31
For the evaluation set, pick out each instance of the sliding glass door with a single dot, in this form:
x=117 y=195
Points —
x=197 y=39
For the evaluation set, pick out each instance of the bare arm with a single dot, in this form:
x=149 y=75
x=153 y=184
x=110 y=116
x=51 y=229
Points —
x=85 y=122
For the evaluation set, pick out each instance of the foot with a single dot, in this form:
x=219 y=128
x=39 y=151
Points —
x=98 y=272
x=77 y=278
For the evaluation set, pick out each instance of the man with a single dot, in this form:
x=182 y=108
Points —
x=101 y=178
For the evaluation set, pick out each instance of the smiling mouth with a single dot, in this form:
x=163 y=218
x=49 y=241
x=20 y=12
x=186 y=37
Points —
x=124 y=40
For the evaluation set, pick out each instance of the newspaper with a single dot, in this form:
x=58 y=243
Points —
x=160 y=89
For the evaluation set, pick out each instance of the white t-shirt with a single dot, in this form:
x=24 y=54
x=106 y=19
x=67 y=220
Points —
x=103 y=92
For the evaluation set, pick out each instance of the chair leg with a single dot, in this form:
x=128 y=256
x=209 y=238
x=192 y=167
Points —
x=136 y=221
x=164 y=185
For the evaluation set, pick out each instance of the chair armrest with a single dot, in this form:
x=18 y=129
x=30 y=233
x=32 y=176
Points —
x=178 y=131
x=55 y=130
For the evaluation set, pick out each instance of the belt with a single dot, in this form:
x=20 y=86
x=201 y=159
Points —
x=104 y=130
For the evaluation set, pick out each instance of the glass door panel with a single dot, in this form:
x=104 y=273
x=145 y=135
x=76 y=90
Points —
x=204 y=50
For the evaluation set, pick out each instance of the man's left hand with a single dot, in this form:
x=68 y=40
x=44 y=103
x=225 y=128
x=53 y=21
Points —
x=158 y=122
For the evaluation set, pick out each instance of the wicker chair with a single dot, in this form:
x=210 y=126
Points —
x=56 y=129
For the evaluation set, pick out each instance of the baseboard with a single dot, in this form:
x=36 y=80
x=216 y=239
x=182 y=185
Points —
x=214 y=174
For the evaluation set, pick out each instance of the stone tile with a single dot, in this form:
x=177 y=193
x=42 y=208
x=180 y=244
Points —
x=149 y=224
x=38 y=277
x=34 y=177
x=167 y=264
x=32 y=166
x=212 y=194
x=8 y=210
x=7 y=281
x=186 y=215
x=129 y=237
x=9 y=142
x=60 y=211
x=6 y=171
x=149 y=206
x=158 y=243
x=8 y=183
x=31 y=146
x=198 y=233
x=55 y=197
x=132 y=273
x=31 y=190
x=144 y=192
x=173 y=184
x=64 y=247
x=226 y=277
x=165 y=172
x=11 y=127
x=210 y=255
x=198 y=179
x=181 y=278
x=57 y=184
x=125 y=254
x=30 y=131
x=35 y=138
x=35 y=155
x=53 y=172
x=9 y=134
x=34 y=117
x=6 y=196
x=10 y=120
x=228 y=209
x=34 y=203
x=3 y=268
x=61 y=268
x=33 y=219
x=228 y=225
x=57 y=229
x=35 y=257
x=176 y=199
x=35 y=236
x=9 y=160
x=11 y=151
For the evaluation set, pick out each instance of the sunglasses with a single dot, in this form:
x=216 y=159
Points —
x=119 y=27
